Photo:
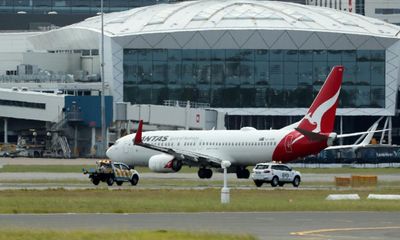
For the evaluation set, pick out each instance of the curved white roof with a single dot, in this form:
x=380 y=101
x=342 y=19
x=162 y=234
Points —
x=236 y=14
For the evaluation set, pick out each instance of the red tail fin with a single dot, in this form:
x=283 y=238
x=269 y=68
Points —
x=320 y=117
x=138 y=136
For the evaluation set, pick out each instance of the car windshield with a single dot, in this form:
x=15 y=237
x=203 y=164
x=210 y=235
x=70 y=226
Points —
x=262 y=166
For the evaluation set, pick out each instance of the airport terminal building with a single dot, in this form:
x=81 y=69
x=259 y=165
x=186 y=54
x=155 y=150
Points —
x=259 y=62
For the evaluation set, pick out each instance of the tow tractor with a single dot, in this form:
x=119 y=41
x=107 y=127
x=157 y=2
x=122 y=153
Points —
x=110 y=172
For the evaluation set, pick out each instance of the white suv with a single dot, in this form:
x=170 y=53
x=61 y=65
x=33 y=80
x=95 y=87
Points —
x=276 y=174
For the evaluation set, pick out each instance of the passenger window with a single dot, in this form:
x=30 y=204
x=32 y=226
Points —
x=285 y=168
x=123 y=167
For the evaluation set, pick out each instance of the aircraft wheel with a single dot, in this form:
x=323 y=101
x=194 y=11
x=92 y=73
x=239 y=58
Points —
x=242 y=173
x=258 y=183
x=246 y=173
x=209 y=173
x=119 y=183
x=281 y=184
x=204 y=173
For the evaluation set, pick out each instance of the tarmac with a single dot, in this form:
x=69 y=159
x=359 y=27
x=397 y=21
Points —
x=263 y=225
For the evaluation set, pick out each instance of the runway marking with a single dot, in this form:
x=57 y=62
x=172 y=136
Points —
x=319 y=231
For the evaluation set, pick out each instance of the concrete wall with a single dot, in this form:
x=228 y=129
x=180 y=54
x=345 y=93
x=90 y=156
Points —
x=56 y=62
x=371 y=5
x=90 y=64
x=12 y=46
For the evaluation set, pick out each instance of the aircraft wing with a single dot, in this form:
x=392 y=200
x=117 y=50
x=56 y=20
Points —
x=184 y=155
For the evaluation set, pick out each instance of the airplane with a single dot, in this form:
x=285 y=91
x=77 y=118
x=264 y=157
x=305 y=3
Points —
x=168 y=151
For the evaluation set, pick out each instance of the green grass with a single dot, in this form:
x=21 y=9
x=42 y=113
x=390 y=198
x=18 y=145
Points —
x=349 y=170
x=19 y=234
x=136 y=200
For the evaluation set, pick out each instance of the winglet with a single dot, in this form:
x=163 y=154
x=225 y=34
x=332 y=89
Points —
x=138 y=136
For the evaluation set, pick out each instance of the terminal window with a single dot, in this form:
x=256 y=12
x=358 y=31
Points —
x=251 y=77
x=14 y=103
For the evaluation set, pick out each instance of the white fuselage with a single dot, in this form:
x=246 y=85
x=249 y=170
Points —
x=241 y=147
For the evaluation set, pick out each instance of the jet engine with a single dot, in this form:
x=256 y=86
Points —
x=164 y=163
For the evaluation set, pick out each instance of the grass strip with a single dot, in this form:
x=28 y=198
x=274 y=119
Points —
x=120 y=235
x=170 y=183
x=349 y=170
x=168 y=200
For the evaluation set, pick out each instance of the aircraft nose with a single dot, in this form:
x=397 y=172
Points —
x=110 y=153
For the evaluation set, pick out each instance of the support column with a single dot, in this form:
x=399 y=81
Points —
x=76 y=140
x=128 y=127
x=5 y=130
x=93 y=144
x=187 y=115
x=107 y=141
x=341 y=130
x=390 y=131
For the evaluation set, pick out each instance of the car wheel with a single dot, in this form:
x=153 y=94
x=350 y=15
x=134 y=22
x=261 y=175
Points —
x=296 y=181
x=119 y=183
x=281 y=184
x=134 y=180
x=275 y=181
x=110 y=181
x=95 y=181
x=258 y=183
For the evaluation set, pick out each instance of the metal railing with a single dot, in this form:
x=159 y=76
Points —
x=177 y=103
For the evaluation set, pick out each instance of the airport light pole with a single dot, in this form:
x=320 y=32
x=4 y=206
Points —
x=225 y=192
x=103 y=100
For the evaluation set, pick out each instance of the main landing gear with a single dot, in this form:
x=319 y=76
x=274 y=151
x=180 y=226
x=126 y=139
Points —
x=205 y=173
x=242 y=172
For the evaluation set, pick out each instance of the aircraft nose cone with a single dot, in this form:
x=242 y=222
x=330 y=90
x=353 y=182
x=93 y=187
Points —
x=110 y=153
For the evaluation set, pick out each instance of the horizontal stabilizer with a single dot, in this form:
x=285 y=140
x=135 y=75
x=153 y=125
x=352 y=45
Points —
x=359 y=133
x=312 y=135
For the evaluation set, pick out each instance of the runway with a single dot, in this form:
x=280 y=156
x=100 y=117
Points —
x=263 y=225
x=73 y=181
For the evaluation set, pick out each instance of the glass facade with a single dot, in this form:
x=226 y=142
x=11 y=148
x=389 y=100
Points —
x=251 y=78
x=73 y=6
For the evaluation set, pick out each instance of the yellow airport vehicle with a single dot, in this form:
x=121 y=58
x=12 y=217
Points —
x=110 y=172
